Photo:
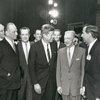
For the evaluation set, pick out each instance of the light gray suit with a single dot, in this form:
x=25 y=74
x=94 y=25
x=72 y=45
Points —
x=70 y=78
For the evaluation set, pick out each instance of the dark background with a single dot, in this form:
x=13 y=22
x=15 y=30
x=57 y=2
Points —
x=34 y=13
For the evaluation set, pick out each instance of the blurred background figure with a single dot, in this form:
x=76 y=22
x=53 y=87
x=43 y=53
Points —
x=25 y=92
x=37 y=35
x=76 y=41
x=1 y=32
x=57 y=36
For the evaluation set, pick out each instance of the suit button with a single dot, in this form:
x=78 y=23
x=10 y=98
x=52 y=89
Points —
x=8 y=74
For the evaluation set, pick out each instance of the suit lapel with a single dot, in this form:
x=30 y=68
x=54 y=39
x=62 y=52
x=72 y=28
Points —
x=74 y=55
x=65 y=57
x=22 y=51
x=9 y=46
x=93 y=48
x=43 y=51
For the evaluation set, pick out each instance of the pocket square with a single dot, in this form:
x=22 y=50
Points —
x=77 y=59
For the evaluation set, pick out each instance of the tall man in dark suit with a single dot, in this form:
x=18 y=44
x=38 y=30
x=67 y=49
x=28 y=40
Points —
x=42 y=66
x=25 y=92
x=92 y=67
x=70 y=68
x=9 y=65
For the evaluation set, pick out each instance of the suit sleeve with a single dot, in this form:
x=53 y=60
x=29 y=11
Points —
x=58 y=71
x=3 y=72
x=83 y=66
x=97 y=71
x=32 y=66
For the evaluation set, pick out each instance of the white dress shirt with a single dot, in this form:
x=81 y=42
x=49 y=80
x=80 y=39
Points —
x=58 y=44
x=91 y=45
x=26 y=48
x=72 y=50
x=45 y=49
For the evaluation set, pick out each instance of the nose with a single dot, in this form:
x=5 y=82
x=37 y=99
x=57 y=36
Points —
x=16 y=33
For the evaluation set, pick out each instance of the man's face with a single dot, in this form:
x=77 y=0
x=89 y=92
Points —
x=12 y=32
x=68 y=39
x=85 y=35
x=48 y=37
x=25 y=35
x=38 y=35
x=57 y=35
x=2 y=32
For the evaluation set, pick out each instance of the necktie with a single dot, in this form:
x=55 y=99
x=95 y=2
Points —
x=26 y=49
x=13 y=46
x=48 y=53
x=69 y=56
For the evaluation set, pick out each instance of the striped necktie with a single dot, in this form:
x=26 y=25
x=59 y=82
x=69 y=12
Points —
x=48 y=53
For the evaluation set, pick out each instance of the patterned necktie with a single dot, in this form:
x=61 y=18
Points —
x=69 y=56
x=48 y=53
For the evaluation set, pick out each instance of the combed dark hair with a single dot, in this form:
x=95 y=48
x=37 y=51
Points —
x=46 y=28
x=93 y=30
x=24 y=28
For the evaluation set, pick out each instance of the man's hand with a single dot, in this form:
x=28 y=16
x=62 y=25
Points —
x=37 y=88
x=82 y=92
x=59 y=89
x=97 y=99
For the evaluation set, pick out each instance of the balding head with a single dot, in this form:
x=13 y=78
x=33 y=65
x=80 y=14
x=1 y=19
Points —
x=11 y=31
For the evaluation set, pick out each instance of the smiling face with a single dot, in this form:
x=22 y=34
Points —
x=48 y=37
x=69 y=38
x=57 y=35
x=38 y=35
x=25 y=35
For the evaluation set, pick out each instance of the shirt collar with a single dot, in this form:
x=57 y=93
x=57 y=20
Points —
x=92 y=43
x=9 y=41
x=44 y=43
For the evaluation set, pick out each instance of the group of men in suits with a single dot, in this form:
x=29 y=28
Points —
x=34 y=71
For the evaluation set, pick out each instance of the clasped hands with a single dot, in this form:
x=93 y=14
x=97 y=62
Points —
x=37 y=88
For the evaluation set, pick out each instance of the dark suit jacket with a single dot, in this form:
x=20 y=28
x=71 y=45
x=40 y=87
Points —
x=23 y=63
x=40 y=69
x=92 y=73
x=26 y=86
x=9 y=67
